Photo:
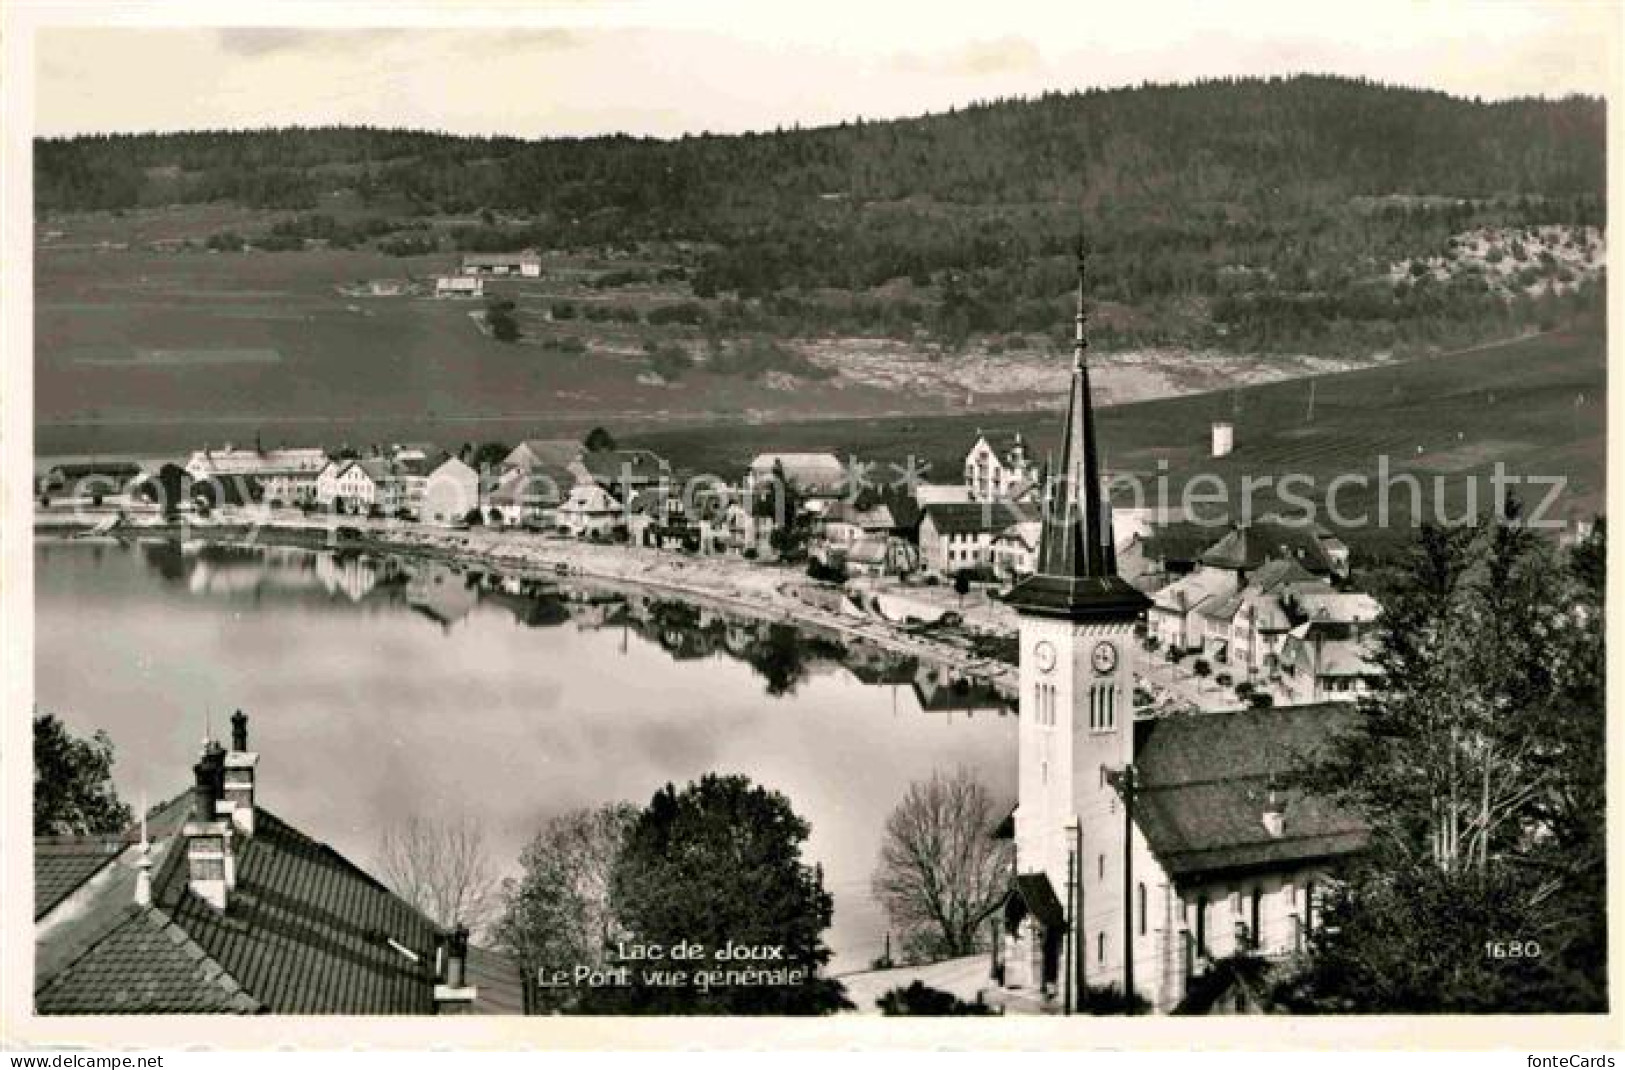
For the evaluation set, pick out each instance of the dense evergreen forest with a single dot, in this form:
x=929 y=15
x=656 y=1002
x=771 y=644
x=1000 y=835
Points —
x=1246 y=212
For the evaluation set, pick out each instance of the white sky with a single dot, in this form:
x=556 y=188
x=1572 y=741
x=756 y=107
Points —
x=668 y=68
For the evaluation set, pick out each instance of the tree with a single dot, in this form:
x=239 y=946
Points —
x=1480 y=771
x=474 y=517
x=941 y=872
x=500 y=318
x=718 y=864
x=443 y=868
x=962 y=585
x=920 y=999
x=782 y=500
x=73 y=782
x=489 y=455
x=557 y=915
x=598 y=440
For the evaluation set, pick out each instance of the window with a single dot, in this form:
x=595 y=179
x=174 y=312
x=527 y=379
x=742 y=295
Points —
x=1201 y=925
x=1258 y=911
x=1309 y=907
x=1102 y=868
x=1100 y=947
x=1142 y=907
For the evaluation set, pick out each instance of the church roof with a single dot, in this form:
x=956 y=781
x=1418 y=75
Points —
x=1203 y=781
x=1077 y=575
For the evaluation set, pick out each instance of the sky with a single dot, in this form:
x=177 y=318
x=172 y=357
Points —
x=581 y=67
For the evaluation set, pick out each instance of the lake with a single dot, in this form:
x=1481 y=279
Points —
x=384 y=687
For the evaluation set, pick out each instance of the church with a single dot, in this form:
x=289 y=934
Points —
x=1148 y=852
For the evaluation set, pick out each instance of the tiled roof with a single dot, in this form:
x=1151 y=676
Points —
x=615 y=467
x=306 y=931
x=63 y=863
x=1181 y=540
x=1203 y=781
x=967 y=518
x=1251 y=546
x=145 y=965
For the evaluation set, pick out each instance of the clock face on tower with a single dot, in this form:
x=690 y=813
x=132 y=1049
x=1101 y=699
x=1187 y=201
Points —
x=1044 y=655
x=1104 y=658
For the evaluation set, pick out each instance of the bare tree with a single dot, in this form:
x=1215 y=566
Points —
x=941 y=872
x=558 y=914
x=443 y=868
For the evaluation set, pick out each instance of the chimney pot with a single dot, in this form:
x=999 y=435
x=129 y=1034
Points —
x=239 y=731
x=456 y=995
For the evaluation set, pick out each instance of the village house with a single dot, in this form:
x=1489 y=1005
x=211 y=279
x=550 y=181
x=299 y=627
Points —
x=526 y=264
x=620 y=472
x=1151 y=849
x=285 y=476
x=1015 y=551
x=449 y=493
x=370 y=485
x=1167 y=551
x=820 y=478
x=524 y=498
x=213 y=904
x=1007 y=474
x=90 y=479
x=959 y=537
x=1260 y=621
x=1327 y=654
x=591 y=512
x=657 y=518
x=873 y=517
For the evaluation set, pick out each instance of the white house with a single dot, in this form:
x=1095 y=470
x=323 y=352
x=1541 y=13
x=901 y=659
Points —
x=958 y=537
x=590 y=511
x=368 y=485
x=1000 y=475
x=286 y=475
x=449 y=492
x=1015 y=551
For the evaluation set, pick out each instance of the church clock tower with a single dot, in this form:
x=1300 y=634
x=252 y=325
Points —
x=1077 y=652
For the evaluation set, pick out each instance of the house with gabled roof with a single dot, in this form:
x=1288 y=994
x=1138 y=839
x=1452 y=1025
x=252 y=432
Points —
x=213 y=904
x=959 y=536
x=1000 y=470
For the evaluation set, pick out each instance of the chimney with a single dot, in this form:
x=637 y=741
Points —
x=1274 y=816
x=456 y=995
x=240 y=770
x=143 y=865
x=210 y=872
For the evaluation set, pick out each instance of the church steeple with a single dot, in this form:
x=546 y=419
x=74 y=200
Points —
x=1077 y=563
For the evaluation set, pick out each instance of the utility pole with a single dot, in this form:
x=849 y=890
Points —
x=1071 y=922
x=1128 y=887
x=1081 y=958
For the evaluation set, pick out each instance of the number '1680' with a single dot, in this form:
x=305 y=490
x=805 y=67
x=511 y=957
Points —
x=1511 y=949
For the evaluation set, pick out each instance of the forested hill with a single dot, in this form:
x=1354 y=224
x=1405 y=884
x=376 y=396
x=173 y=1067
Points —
x=1218 y=141
x=1242 y=190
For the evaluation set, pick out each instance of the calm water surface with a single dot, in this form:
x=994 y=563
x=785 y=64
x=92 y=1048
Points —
x=382 y=687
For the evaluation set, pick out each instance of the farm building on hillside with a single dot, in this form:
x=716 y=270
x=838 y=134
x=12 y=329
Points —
x=459 y=286
x=527 y=264
x=958 y=537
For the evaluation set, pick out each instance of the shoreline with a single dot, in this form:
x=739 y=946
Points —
x=763 y=591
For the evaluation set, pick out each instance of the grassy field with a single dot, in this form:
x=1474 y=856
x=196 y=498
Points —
x=143 y=346
x=1538 y=406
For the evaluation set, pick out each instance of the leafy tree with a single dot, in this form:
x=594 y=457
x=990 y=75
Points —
x=1480 y=770
x=962 y=585
x=718 y=864
x=73 y=782
x=557 y=915
x=500 y=318
x=489 y=455
x=598 y=440
x=783 y=501
x=474 y=517
x=941 y=873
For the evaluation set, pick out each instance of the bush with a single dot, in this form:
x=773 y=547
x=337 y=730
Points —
x=499 y=317
x=921 y=999
x=1223 y=679
x=474 y=518
x=750 y=553
x=1261 y=700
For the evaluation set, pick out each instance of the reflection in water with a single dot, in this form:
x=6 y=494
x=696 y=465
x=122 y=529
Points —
x=384 y=686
